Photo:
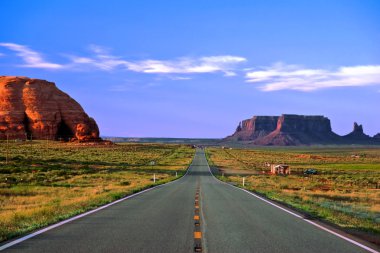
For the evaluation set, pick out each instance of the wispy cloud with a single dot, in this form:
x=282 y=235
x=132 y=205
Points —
x=224 y=63
x=32 y=59
x=101 y=58
x=185 y=65
x=179 y=78
x=294 y=77
x=279 y=76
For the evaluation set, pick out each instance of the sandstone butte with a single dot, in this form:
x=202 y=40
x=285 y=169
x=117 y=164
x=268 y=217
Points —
x=34 y=108
x=287 y=129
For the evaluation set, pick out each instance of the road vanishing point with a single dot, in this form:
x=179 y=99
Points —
x=196 y=213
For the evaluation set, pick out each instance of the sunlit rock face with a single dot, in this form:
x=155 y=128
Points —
x=254 y=128
x=34 y=108
x=287 y=129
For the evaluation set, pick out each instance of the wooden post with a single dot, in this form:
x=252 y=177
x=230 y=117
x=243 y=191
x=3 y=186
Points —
x=7 y=150
x=31 y=140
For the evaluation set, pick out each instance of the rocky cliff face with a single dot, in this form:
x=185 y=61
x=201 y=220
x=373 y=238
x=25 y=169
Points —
x=294 y=130
x=300 y=129
x=254 y=128
x=37 y=109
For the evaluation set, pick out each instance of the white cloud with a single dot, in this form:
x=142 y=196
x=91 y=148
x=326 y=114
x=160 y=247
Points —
x=103 y=60
x=229 y=73
x=189 y=65
x=31 y=58
x=179 y=78
x=293 y=77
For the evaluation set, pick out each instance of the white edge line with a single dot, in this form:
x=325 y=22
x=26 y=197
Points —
x=298 y=216
x=24 y=238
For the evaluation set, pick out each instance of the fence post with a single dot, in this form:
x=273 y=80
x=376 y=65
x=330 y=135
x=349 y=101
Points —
x=7 y=150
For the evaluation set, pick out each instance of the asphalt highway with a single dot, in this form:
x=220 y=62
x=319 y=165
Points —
x=175 y=217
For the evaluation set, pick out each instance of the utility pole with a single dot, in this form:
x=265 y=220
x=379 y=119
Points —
x=31 y=140
x=7 y=150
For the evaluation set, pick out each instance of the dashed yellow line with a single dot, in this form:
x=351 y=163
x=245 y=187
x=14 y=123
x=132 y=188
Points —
x=196 y=217
x=197 y=235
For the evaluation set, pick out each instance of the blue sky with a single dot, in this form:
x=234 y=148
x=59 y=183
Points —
x=196 y=68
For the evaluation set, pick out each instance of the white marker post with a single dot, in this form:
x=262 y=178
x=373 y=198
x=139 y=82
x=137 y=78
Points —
x=243 y=181
x=176 y=174
x=152 y=163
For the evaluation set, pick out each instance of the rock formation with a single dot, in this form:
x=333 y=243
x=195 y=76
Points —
x=34 y=108
x=294 y=130
x=254 y=128
x=377 y=136
x=357 y=133
x=299 y=129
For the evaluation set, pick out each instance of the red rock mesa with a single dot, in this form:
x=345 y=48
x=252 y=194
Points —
x=34 y=108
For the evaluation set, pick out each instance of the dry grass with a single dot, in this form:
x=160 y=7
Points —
x=47 y=182
x=346 y=191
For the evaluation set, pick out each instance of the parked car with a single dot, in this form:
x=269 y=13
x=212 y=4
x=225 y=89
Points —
x=310 y=172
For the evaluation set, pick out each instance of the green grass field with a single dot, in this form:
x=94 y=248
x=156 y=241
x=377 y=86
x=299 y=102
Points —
x=45 y=182
x=346 y=190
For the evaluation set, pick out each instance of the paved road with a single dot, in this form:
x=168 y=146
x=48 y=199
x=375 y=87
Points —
x=162 y=220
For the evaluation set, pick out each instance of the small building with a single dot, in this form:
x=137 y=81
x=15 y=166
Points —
x=281 y=169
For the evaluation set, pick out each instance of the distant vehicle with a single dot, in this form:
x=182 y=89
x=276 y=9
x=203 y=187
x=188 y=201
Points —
x=310 y=172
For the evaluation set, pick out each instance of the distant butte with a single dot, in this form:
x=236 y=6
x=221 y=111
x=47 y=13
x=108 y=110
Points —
x=357 y=133
x=293 y=130
x=34 y=108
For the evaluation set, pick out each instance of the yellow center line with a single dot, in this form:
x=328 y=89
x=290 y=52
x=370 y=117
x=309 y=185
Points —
x=197 y=235
x=196 y=217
